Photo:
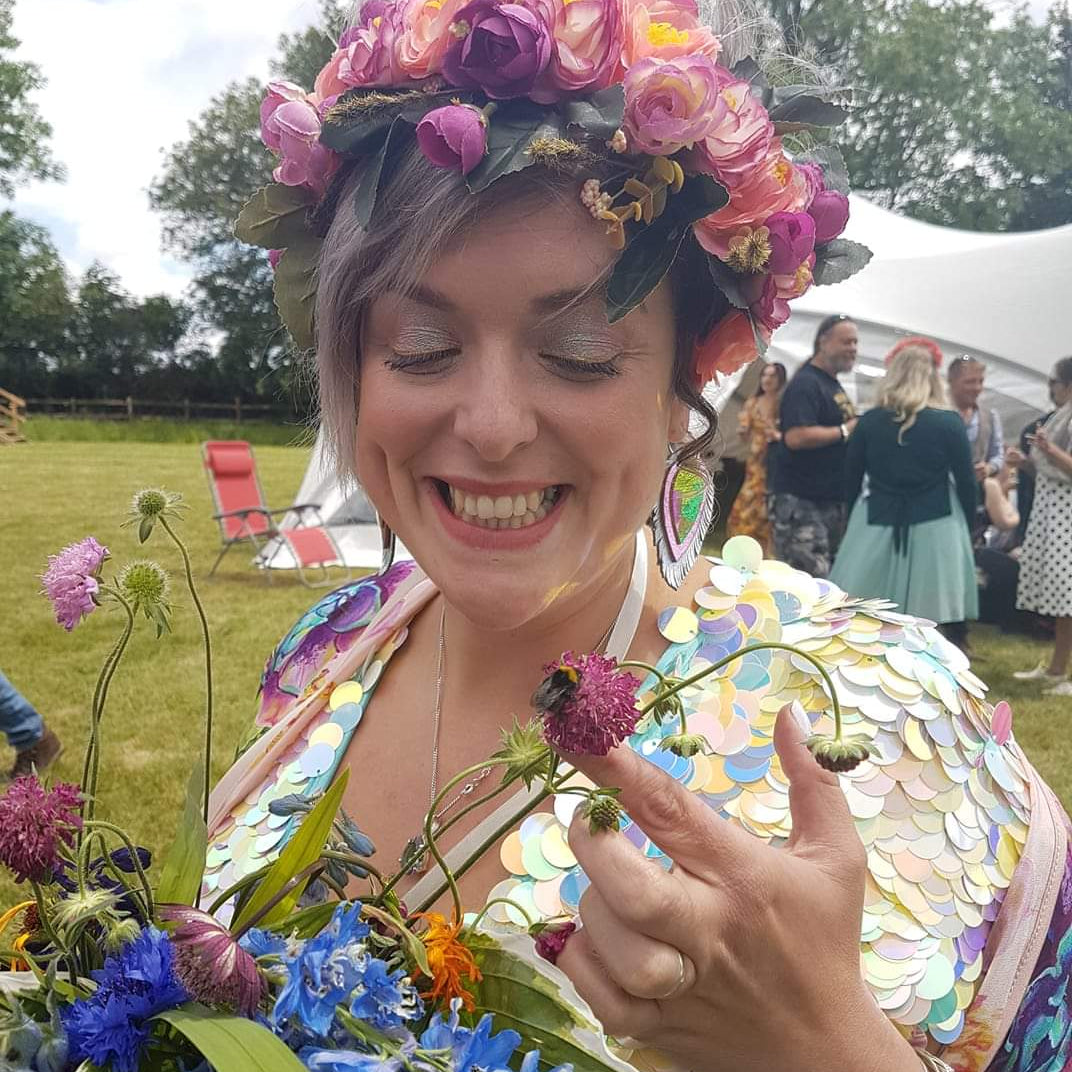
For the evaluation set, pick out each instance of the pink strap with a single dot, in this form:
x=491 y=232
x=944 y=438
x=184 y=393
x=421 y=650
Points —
x=252 y=769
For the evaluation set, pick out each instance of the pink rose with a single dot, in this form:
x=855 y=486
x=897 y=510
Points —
x=792 y=239
x=774 y=186
x=741 y=136
x=328 y=83
x=814 y=178
x=454 y=136
x=290 y=125
x=830 y=211
x=369 y=58
x=425 y=37
x=727 y=348
x=670 y=105
x=664 y=30
x=585 y=49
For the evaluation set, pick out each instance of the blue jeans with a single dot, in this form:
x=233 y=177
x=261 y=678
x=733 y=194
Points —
x=20 y=723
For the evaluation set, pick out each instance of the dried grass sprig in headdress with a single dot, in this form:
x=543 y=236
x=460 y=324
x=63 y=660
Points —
x=684 y=146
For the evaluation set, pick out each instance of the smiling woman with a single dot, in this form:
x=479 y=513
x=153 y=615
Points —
x=515 y=308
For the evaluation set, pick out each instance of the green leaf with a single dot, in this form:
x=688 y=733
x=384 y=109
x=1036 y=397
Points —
x=275 y=216
x=652 y=247
x=728 y=282
x=231 y=1043
x=303 y=849
x=368 y=186
x=839 y=259
x=295 y=290
x=747 y=70
x=145 y=528
x=511 y=128
x=358 y=122
x=184 y=865
x=835 y=173
x=599 y=114
x=536 y=1000
x=415 y=947
x=807 y=106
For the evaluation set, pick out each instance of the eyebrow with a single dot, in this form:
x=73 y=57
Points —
x=547 y=303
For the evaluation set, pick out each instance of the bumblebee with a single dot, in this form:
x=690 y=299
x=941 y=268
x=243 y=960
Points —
x=556 y=689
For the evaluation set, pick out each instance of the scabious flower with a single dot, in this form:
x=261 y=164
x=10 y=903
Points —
x=450 y=961
x=454 y=136
x=111 y=1027
x=146 y=587
x=212 y=966
x=500 y=48
x=598 y=713
x=71 y=580
x=552 y=939
x=670 y=104
x=149 y=505
x=35 y=824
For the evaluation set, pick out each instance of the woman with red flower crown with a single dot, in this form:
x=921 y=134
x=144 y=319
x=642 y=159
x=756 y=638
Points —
x=533 y=231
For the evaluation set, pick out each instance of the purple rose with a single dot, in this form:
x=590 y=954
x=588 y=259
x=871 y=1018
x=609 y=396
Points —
x=290 y=126
x=279 y=93
x=501 y=49
x=830 y=211
x=814 y=180
x=792 y=240
x=453 y=136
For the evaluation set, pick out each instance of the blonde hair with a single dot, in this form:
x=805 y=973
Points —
x=912 y=382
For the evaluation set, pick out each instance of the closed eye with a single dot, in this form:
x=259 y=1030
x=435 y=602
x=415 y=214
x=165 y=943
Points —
x=423 y=364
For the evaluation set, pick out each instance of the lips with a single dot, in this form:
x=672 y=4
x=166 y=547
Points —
x=518 y=510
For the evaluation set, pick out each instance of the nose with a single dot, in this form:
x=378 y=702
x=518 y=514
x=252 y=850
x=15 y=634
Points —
x=494 y=413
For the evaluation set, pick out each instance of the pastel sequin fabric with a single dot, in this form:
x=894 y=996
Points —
x=943 y=811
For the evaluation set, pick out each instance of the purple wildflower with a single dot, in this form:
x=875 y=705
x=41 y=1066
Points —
x=212 y=966
x=34 y=823
x=552 y=940
x=596 y=712
x=71 y=580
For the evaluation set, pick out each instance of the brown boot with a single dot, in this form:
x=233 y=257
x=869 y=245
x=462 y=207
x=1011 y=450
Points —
x=38 y=756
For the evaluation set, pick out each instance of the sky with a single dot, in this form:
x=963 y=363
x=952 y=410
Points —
x=124 y=78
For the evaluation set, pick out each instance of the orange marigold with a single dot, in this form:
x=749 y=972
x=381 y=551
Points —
x=450 y=961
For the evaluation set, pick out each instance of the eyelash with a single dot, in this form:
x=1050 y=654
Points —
x=419 y=364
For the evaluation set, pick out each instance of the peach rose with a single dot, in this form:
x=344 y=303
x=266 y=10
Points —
x=731 y=345
x=586 y=47
x=741 y=138
x=425 y=38
x=328 y=83
x=664 y=30
x=774 y=186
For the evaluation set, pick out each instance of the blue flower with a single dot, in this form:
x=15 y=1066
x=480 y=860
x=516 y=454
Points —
x=384 y=998
x=470 y=1048
x=258 y=943
x=349 y=1060
x=111 y=1027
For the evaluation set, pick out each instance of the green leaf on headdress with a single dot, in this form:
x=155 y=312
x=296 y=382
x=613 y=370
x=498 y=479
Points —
x=835 y=173
x=836 y=261
x=275 y=216
x=727 y=281
x=512 y=127
x=651 y=248
x=358 y=122
x=295 y=289
x=800 y=107
x=368 y=185
x=747 y=70
x=600 y=114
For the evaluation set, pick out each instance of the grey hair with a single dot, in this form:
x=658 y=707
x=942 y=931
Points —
x=421 y=211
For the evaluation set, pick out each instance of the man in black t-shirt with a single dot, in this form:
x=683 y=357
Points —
x=806 y=473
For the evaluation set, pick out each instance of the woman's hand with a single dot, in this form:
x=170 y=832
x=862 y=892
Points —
x=743 y=958
x=1015 y=457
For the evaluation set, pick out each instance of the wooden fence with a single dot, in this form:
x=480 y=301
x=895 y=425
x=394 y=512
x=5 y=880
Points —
x=12 y=414
x=125 y=409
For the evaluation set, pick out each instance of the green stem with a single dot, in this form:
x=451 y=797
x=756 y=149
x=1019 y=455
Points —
x=236 y=887
x=310 y=872
x=500 y=900
x=91 y=765
x=208 y=658
x=352 y=858
x=46 y=923
x=147 y=890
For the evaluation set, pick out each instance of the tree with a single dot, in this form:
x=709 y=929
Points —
x=957 y=120
x=24 y=134
x=206 y=181
x=35 y=306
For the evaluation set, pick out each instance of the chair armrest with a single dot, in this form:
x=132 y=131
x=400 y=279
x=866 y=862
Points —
x=242 y=513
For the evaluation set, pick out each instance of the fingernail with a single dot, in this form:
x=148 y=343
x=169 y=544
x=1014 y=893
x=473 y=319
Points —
x=800 y=717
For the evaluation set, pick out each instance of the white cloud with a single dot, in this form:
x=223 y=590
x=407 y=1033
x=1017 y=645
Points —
x=124 y=79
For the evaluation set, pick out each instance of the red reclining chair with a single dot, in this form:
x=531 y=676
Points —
x=244 y=517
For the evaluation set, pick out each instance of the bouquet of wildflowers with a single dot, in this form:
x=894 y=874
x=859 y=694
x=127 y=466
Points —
x=115 y=964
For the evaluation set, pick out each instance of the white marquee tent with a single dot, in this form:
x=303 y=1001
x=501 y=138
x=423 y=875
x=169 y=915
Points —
x=1004 y=298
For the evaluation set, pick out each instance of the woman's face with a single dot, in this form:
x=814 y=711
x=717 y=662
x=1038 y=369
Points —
x=769 y=380
x=514 y=441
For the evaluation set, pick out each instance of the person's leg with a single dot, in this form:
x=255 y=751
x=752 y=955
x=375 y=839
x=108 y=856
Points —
x=800 y=535
x=1062 y=647
x=20 y=723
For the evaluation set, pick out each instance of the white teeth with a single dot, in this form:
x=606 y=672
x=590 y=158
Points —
x=504 y=511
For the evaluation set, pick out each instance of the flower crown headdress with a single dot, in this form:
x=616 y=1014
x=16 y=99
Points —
x=490 y=87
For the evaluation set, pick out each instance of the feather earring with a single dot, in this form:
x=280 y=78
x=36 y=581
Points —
x=387 y=542
x=682 y=517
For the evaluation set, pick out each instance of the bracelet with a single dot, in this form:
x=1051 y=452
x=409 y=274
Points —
x=932 y=1063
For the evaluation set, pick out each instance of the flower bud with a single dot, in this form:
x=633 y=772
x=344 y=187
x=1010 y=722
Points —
x=683 y=744
x=454 y=136
x=842 y=755
x=602 y=810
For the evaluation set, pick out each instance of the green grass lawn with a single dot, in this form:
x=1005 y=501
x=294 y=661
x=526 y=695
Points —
x=58 y=492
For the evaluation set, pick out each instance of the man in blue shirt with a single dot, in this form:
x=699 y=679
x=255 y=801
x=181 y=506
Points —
x=806 y=473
